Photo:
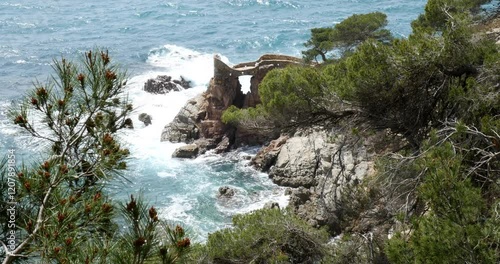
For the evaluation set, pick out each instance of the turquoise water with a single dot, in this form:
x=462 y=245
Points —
x=175 y=38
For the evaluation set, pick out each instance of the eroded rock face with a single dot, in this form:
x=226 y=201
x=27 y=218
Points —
x=164 y=84
x=266 y=157
x=318 y=165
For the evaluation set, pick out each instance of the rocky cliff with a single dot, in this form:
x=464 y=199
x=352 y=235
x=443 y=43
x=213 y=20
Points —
x=319 y=164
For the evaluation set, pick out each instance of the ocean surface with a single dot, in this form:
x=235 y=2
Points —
x=177 y=38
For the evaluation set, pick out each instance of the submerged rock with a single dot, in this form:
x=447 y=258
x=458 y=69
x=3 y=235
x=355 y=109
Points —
x=128 y=123
x=226 y=191
x=146 y=119
x=183 y=83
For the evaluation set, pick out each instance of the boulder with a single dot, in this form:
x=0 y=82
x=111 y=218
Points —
x=226 y=192
x=224 y=145
x=272 y=205
x=145 y=118
x=163 y=84
x=296 y=163
x=183 y=83
x=186 y=152
x=186 y=125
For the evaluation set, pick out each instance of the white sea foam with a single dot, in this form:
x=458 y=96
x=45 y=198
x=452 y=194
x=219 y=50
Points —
x=176 y=211
x=173 y=61
x=179 y=61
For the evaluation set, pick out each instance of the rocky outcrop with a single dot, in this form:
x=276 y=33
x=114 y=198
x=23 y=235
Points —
x=266 y=157
x=199 y=121
x=164 y=84
x=186 y=152
x=186 y=125
x=319 y=165
x=226 y=192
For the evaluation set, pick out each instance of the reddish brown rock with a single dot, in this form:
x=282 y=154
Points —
x=266 y=156
x=201 y=117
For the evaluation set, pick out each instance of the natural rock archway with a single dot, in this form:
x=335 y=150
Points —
x=200 y=118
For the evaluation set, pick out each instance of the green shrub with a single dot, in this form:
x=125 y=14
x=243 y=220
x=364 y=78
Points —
x=267 y=236
x=456 y=228
x=346 y=35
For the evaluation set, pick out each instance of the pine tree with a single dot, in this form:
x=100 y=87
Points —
x=63 y=212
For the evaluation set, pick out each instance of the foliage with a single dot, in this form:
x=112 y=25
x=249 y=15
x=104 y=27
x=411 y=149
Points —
x=346 y=35
x=253 y=118
x=320 y=44
x=355 y=249
x=267 y=236
x=291 y=92
x=405 y=86
x=457 y=228
x=63 y=213
x=439 y=12
x=148 y=239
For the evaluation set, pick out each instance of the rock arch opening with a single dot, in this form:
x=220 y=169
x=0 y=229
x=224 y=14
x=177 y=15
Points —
x=245 y=83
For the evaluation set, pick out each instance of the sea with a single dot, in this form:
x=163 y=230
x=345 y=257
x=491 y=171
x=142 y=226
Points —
x=176 y=38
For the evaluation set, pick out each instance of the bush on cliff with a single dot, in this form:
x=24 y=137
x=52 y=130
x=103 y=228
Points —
x=290 y=96
x=266 y=236
x=457 y=227
x=439 y=12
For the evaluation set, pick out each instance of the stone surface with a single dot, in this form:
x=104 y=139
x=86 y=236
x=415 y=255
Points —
x=146 y=119
x=186 y=125
x=319 y=165
x=226 y=192
x=266 y=157
x=164 y=84
x=186 y=152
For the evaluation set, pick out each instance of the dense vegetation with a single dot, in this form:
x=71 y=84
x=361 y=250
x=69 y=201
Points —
x=439 y=91
x=264 y=236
